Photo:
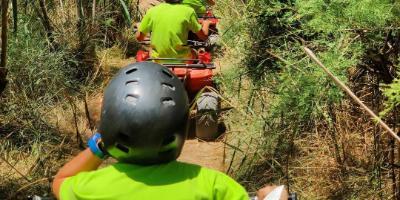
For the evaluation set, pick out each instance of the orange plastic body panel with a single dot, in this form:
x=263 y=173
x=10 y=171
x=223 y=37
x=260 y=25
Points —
x=210 y=17
x=142 y=55
x=194 y=79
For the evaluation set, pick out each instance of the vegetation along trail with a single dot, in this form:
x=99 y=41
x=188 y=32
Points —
x=286 y=121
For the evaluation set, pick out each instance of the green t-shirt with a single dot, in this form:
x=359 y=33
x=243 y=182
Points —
x=174 y=180
x=169 y=25
x=199 y=6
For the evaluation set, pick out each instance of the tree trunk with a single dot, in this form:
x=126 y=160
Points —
x=15 y=15
x=3 y=69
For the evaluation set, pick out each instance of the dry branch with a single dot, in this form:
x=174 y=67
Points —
x=15 y=169
x=351 y=94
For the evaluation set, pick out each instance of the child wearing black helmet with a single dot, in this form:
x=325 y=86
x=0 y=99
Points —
x=144 y=123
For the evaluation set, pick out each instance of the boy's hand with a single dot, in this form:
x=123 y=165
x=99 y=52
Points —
x=206 y=22
x=203 y=33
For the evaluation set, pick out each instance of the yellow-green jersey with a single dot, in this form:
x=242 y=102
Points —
x=169 y=25
x=170 y=181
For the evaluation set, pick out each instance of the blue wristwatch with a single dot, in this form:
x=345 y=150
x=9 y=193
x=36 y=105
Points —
x=93 y=144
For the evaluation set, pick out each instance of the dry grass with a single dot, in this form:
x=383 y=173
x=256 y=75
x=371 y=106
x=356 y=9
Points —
x=64 y=17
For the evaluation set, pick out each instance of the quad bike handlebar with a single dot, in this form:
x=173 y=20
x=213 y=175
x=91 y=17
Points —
x=178 y=59
x=191 y=43
x=183 y=65
x=209 y=17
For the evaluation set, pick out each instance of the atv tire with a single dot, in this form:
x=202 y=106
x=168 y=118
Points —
x=207 y=116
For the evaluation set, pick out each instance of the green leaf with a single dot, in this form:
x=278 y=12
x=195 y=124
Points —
x=109 y=22
x=125 y=12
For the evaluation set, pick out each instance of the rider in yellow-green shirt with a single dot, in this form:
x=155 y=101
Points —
x=169 y=24
x=200 y=6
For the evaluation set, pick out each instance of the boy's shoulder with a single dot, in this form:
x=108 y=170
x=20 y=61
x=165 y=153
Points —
x=173 y=175
x=171 y=170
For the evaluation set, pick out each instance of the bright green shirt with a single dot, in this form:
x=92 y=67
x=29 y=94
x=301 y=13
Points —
x=199 y=6
x=170 y=181
x=169 y=25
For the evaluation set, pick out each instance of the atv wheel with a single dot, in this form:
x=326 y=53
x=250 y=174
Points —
x=207 y=116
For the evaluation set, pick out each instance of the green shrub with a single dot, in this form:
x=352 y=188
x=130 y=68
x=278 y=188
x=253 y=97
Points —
x=286 y=95
x=392 y=92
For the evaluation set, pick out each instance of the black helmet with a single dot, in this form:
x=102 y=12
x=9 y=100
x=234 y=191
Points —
x=144 y=118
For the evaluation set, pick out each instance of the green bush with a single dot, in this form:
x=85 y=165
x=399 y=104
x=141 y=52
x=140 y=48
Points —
x=287 y=93
x=392 y=92
x=342 y=32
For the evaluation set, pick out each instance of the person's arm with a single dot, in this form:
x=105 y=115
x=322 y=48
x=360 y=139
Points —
x=144 y=27
x=201 y=30
x=84 y=161
x=203 y=33
x=140 y=36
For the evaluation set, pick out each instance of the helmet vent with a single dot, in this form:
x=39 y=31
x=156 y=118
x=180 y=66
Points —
x=122 y=147
x=167 y=73
x=166 y=153
x=168 y=101
x=168 y=140
x=132 y=83
x=131 y=99
x=169 y=86
x=131 y=70
x=169 y=145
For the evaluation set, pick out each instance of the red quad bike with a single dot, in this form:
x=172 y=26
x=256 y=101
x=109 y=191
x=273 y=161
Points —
x=197 y=75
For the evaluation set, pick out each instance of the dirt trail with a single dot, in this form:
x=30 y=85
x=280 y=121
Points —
x=207 y=154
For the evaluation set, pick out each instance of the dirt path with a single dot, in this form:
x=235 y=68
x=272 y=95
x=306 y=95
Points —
x=207 y=154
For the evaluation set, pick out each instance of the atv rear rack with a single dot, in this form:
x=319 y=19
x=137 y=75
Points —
x=184 y=65
x=194 y=43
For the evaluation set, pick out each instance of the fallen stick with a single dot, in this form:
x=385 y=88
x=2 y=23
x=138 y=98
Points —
x=351 y=94
x=15 y=169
